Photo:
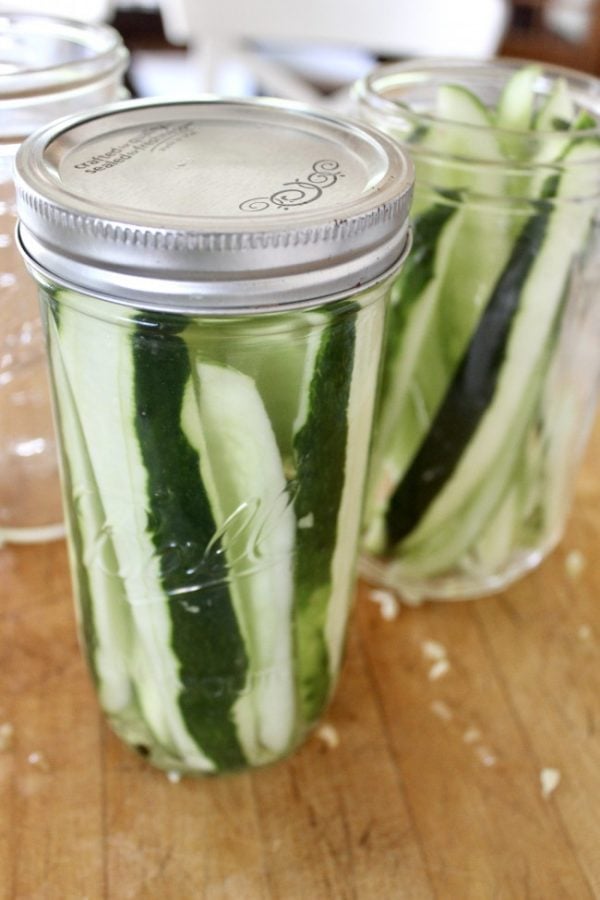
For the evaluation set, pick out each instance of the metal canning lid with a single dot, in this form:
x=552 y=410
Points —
x=216 y=205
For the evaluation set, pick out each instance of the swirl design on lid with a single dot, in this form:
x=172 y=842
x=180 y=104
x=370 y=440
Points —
x=324 y=174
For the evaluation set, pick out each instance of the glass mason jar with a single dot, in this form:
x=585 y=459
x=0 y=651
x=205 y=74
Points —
x=491 y=364
x=214 y=306
x=48 y=68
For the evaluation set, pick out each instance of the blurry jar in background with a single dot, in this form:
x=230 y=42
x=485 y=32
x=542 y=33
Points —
x=48 y=68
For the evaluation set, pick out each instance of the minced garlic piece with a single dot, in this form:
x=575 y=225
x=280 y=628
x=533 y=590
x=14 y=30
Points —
x=438 y=669
x=328 y=734
x=6 y=735
x=388 y=604
x=441 y=710
x=433 y=650
x=575 y=563
x=549 y=779
x=38 y=759
x=472 y=735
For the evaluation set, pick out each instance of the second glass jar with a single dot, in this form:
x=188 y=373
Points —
x=491 y=366
x=50 y=67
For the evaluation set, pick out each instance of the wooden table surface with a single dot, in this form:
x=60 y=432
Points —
x=434 y=789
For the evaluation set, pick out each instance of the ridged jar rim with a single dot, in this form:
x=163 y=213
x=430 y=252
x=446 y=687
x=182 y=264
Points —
x=375 y=90
x=105 y=53
x=190 y=302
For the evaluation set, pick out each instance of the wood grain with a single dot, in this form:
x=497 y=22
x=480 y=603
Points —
x=433 y=791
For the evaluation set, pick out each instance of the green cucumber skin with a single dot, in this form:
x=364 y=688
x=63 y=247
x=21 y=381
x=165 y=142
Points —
x=206 y=638
x=458 y=535
x=441 y=315
x=270 y=350
x=88 y=638
x=84 y=599
x=472 y=388
x=428 y=527
x=398 y=419
x=418 y=272
x=320 y=456
x=225 y=420
x=102 y=610
x=188 y=657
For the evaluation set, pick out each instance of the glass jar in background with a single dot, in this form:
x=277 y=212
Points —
x=48 y=68
x=491 y=366
x=215 y=309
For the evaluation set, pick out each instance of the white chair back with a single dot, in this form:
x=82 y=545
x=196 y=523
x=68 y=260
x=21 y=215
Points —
x=218 y=32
